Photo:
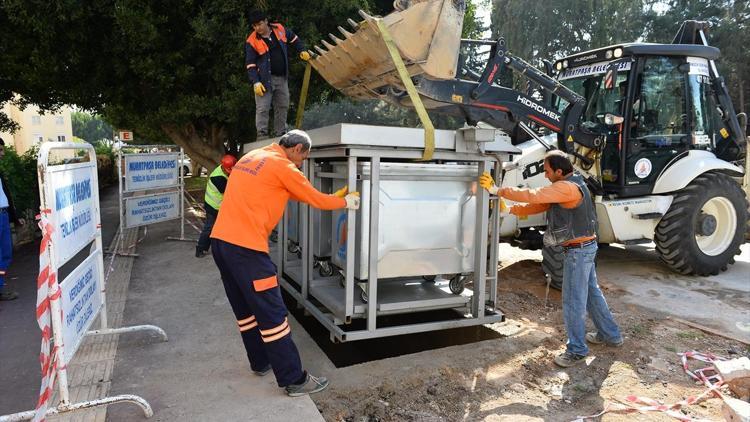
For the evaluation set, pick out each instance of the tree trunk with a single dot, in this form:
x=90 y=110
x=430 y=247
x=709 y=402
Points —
x=204 y=144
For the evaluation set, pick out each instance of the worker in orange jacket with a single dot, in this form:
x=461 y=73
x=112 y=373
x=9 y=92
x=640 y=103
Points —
x=571 y=224
x=254 y=201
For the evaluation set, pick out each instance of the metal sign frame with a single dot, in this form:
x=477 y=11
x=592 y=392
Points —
x=46 y=173
x=126 y=194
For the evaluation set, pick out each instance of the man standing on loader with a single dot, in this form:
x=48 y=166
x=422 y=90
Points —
x=267 y=65
x=257 y=193
x=571 y=223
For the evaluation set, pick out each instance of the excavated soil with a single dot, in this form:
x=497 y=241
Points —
x=512 y=378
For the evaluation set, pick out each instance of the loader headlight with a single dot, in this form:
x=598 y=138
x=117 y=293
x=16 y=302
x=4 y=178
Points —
x=558 y=66
x=618 y=53
x=565 y=64
x=608 y=54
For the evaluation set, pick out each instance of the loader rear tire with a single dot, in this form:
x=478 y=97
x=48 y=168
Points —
x=553 y=262
x=704 y=227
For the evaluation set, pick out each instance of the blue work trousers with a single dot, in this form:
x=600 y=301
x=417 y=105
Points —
x=581 y=294
x=250 y=282
x=6 y=245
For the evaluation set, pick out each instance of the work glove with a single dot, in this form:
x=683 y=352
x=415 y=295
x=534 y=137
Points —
x=352 y=201
x=304 y=56
x=341 y=192
x=486 y=181
x=259 y=89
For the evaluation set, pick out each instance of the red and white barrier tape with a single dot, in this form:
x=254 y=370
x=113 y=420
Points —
x=707 y=376
x=48 y=291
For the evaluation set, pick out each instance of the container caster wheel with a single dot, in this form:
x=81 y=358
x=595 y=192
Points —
x=274 y=237
x=325 y=269
x=456 y=285
x=429 y=278
x=293 y=248
x=363 y=296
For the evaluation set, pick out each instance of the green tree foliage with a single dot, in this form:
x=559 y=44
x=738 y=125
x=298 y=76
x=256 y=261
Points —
x=730 y=32
x=90 y=128
x=20 y=173
x=171 y=70
x=547 y=30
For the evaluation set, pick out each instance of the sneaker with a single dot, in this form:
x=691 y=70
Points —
x=593 y=338
x=200 y=253
x=311 y=385
x=263 y=371
x=568 y=359
x=5 y=295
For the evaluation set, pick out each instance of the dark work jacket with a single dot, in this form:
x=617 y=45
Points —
x=258 y=57
x=11 y=209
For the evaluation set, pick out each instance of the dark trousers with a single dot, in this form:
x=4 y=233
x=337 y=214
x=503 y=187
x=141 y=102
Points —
x=204 y=240
x=6 y=245
x=249 y=279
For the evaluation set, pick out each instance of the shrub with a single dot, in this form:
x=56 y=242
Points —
x=20 y=173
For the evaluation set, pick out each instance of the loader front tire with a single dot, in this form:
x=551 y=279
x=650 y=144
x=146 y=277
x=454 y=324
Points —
x=553 y=262
x=704 y=227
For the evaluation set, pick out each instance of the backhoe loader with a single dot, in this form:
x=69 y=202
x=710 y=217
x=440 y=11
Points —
x=650 y=126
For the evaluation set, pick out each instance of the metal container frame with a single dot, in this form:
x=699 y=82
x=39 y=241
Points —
x=314 y=293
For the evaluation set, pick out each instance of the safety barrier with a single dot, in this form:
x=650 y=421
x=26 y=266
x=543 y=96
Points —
x=70 y=221
x=152 y=186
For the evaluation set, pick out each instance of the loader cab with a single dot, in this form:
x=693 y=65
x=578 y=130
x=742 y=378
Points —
x=665 y=95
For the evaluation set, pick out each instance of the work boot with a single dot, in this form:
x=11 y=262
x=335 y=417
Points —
x=263 y=371
x=199 y=253
x=311 y=385
x=8 y=295
x=594 y=338
x=568 y=359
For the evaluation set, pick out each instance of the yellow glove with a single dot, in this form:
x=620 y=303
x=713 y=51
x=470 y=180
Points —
x=486 y=181
x=342 y=192
x=259 y=89
x=304 y=56
x=352 y=201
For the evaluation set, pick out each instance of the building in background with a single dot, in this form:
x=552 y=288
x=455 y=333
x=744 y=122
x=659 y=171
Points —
x=36 y=127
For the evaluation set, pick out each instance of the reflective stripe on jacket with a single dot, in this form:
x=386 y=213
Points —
x=214 y=196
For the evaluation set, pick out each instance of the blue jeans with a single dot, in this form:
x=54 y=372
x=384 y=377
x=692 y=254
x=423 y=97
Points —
x=581 y=294
x=6 y=245
x=204 y=240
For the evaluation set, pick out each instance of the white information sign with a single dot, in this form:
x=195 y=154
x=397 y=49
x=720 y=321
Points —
x=73 y=201
x=149 y=209
x=151 y=171
x=81 y=301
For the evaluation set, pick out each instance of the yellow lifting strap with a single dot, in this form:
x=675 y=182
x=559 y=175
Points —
x=303 y=97
x=429 y=130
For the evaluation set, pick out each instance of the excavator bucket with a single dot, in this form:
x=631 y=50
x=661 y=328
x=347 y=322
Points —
x=426 y=33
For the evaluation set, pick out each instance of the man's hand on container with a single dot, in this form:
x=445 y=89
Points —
x=304 y=56
x=342 y=192
x=259 y=89
x=486 y=181
x=352 y=201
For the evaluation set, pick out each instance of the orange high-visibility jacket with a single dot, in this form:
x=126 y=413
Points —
x=259 y=187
